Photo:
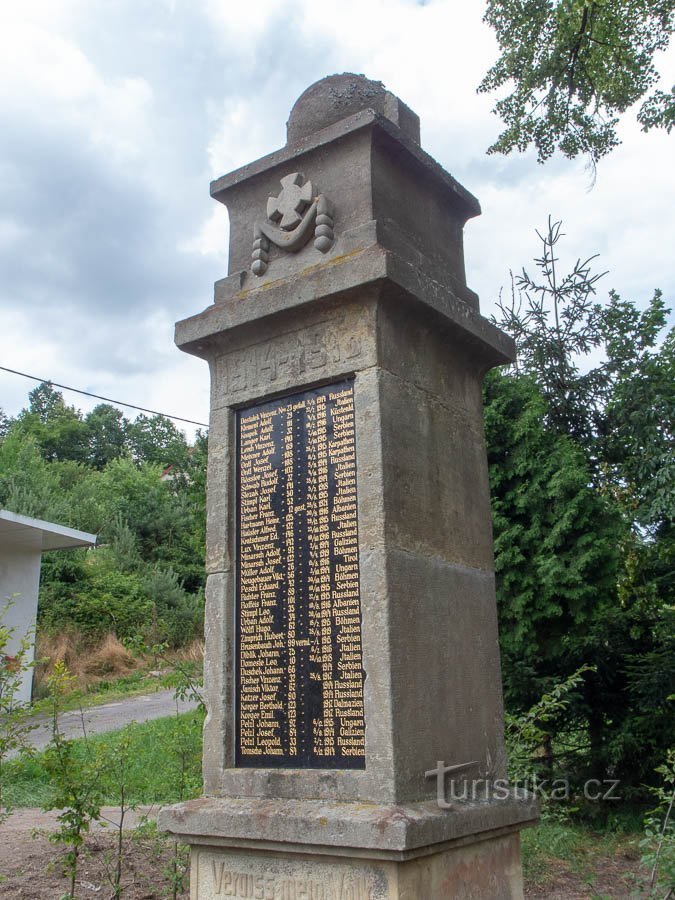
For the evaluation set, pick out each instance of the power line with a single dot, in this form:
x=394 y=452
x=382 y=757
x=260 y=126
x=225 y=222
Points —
x=64 y=387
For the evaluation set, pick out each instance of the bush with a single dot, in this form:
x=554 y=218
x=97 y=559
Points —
x=103 y=599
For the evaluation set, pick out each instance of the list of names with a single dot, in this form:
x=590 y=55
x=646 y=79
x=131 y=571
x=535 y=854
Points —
x=300 y=674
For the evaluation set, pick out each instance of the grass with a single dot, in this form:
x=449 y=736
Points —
x=154 y=770
x=113 y=689
x=105 y=671
x=553 y=846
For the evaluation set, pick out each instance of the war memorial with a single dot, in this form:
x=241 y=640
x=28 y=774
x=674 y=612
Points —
x=352 y=662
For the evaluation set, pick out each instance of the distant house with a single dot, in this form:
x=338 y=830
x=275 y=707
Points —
x=22 y=543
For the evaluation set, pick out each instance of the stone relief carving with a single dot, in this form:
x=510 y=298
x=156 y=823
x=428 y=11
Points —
x=292 y=218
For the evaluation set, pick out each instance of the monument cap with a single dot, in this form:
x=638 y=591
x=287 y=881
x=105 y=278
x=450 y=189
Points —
x=339 y=96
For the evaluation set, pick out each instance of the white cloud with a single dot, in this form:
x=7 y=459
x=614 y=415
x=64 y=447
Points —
x=116 y=115
x=212 y=238
x=47 y=76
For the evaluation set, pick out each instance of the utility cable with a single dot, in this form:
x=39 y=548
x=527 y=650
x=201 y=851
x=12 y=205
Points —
x=64 y=387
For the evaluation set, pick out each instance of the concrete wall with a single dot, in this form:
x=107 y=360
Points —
x=19 y=583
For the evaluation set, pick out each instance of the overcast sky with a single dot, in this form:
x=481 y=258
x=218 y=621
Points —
x=116 y=114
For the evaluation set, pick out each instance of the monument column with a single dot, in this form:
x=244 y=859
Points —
x=351 y=630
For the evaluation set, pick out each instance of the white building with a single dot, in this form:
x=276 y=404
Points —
x=22 y=542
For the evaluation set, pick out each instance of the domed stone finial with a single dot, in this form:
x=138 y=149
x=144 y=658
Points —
x=339 y=96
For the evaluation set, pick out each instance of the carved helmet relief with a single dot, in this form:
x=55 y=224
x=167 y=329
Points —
x=292 y=217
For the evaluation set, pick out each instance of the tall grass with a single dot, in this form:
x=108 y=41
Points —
x=99 y=664
x=153 y=774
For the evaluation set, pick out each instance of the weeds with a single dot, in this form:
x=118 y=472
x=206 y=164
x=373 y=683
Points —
x=658 y=844
x=15 y=667
x=75 y=781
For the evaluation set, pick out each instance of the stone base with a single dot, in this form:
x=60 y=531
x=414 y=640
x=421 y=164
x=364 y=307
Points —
x=488 y=870
x=311 y=850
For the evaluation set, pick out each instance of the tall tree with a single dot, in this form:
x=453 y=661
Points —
x=574 y=67
x=5 y=424
x=580 y=441
x=636 y=430
x=107 y=434
x=58 y=430
x=155 y=439
x=556 y=540
x=555 y=322
x=620 y=408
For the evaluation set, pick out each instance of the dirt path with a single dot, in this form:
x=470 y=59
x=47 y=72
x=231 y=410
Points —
x=22 y=822
x=110 y=716
x=32 y=868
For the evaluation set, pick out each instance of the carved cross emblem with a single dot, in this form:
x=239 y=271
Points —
x=292 y=217
x=286 y=209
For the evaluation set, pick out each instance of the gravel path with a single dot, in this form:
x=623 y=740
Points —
x=25 y=820
x=110 y=716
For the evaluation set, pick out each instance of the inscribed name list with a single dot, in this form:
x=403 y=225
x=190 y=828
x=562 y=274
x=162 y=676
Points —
x=299 y=662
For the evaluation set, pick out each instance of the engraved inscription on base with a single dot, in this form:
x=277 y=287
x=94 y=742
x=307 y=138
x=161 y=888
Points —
x=299 y=663
x=243 y=877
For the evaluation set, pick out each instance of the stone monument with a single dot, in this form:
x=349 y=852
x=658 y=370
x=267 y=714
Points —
x=351 y=630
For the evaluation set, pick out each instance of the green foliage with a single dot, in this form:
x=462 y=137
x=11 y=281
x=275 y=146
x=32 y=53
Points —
x=5 y=423
x=75 y=783
x=58 y=430
x=153 y=773
x=148 y=574
x=658 y=844
x=554 y=848
x=156 y=440
x=556 y=541
x=102 y=599
x=574 y=66
x=179 y=612
x=581 y=470
x=15 y=727
x=528 y=733
x=636 y=431
x=555 y=322
x=107 y=435
x=27 y=483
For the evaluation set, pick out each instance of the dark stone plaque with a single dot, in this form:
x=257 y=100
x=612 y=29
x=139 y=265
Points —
x=299 y=666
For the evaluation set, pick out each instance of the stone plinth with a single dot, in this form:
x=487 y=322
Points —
x=358 y=281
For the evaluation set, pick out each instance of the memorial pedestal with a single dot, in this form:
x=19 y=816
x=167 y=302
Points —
x=314 y=850
x=351 y=633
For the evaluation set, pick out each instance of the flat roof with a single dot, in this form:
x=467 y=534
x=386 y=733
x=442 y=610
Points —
x=24 y=531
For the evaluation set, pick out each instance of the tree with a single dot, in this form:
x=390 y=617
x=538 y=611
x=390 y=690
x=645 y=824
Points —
x=580 y=440
x=556 y=541
x=28 y=484
x=636 y=431
x=58 y=430
x=155 y=439
x=620 y=410
x=44 y=401
x=5 y=424
x=555 y=322
x=575 y=588
x=107 y=434
x=575 y=67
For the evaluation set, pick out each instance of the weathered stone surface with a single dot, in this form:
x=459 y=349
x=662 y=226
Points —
x=489 y=869
x=334 y=98
x=373 y=173
x=399 y=832
x=387 y=304
x=220 y=873
x=218 y=678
